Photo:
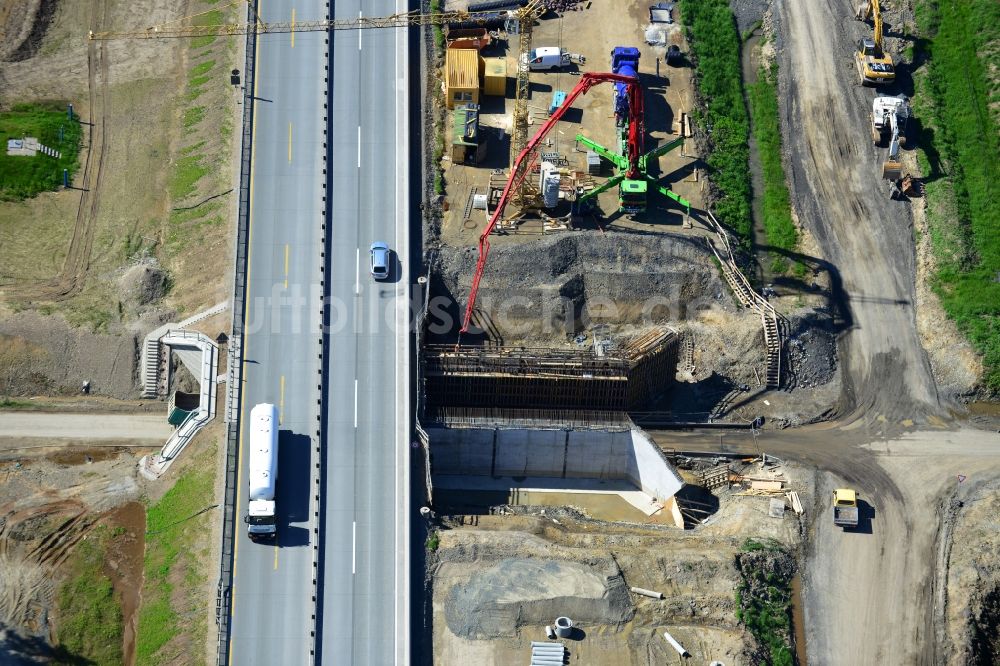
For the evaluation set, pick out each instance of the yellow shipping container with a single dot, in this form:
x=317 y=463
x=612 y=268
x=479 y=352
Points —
x=495 y=76
x=462 y=78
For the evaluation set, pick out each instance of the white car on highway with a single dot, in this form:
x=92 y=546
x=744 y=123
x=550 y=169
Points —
x=380 y=257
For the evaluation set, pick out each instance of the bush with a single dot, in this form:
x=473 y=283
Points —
x=777 y=208
x=958 y=149
x=716 y=46
x=764 y=597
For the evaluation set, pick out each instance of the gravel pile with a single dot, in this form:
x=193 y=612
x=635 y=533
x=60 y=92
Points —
x=811 y=349
x=522 y=591
x=747 y=12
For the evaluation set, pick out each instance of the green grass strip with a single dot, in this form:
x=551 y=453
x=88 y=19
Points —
x=91 y=625
x=959 y=153
x=716 y=45
x=22 y=176
x=187 y=172
x=170 y=541
x=767 y=614
x=777 y=209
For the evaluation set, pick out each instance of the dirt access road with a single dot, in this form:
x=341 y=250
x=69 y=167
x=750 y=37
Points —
x=869 y=595
x=136 y=427
x=841 y=199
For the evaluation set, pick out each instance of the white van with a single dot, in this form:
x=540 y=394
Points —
x=552 y=57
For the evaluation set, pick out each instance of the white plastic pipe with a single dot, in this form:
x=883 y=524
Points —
x=677 y=646
x=647 y=593
x=536 y=644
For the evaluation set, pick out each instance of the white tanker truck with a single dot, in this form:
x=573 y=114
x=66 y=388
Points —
x=263 y=472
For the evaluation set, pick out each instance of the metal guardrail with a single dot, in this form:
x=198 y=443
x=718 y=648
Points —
x=234 y=386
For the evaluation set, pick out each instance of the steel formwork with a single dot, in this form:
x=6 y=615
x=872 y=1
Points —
x=510 y=378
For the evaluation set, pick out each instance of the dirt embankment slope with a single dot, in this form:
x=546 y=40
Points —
x=841 y=199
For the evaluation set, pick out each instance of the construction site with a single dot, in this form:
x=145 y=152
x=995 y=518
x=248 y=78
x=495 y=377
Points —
x=572 y=227
x=643 y=434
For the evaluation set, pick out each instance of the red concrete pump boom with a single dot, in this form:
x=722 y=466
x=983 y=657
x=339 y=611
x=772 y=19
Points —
x=517 y=174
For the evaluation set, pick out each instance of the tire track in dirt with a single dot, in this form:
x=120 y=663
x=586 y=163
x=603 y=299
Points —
x=842 y=200
x=71 y=278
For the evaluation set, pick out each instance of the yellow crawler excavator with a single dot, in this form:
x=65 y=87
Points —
x=874 y=64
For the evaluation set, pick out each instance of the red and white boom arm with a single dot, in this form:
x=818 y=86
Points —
x=519 y=170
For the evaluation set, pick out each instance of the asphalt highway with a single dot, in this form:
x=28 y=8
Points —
x=328 y=344
x=272 y=606
x=364 y=556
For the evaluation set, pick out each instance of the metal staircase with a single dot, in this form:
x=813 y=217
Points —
x=770 y=319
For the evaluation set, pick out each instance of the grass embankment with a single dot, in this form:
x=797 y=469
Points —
x=177 y=548
x=439 y=125
x=958 y=152
x=764 y=598
x=777 y=208
x=716 y=45
x=200 y=169
x=90 y=628
x=21 y=176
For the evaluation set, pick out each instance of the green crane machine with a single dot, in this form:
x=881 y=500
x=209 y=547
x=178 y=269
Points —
x=631 y=165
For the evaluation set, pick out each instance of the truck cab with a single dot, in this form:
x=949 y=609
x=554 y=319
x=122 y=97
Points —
x=845 y=508
x=260 y=520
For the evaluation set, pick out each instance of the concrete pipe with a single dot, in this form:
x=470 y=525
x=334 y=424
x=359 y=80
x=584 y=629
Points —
x=564 y=627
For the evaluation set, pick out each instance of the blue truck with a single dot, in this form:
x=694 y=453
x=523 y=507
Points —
x=624 y=61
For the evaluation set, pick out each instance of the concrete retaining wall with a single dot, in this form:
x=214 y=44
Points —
x=588 y=454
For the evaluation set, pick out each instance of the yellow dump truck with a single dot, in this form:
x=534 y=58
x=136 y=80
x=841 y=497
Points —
x=845 y=508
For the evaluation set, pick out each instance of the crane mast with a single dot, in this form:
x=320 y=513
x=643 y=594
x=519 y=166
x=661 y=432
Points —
x=519 y=132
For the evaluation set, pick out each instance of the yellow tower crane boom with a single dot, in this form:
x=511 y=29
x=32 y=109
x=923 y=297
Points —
x=188 y=27
x=524 y=18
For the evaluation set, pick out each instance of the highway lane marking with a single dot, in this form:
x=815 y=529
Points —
x=357 y=273
x=286 y=265
x=246 y=341
x=359 y=31
x=289 y=142
x=281 y=401
x=275 y=557
x=355 y=403
x=293 y=44
x=359 y=146
x=354 y=547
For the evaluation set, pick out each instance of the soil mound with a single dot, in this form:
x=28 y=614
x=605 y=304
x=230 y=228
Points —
x=520 y=591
